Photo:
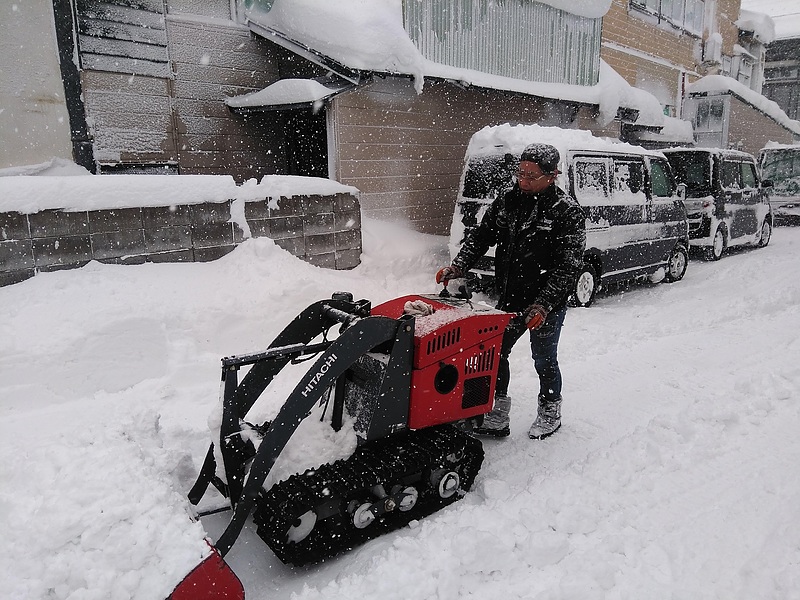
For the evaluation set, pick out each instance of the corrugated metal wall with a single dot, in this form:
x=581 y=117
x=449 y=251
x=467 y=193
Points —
x=487 y=35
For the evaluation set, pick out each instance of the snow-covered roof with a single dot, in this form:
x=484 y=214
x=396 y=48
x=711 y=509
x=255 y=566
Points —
x=720 y=84
x=762 y=25
x=787 y=27
x=369 y=36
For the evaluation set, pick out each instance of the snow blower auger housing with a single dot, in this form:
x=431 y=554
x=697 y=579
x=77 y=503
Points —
x=406 y=380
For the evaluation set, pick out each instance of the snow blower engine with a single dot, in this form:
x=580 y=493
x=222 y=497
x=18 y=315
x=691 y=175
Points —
x=408 y=373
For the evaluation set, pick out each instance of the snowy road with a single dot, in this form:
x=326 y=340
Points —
x=675 y=474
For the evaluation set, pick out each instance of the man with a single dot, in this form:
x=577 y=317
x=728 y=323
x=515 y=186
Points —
x=540 y=236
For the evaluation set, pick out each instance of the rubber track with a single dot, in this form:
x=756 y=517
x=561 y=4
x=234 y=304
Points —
x=406 y=458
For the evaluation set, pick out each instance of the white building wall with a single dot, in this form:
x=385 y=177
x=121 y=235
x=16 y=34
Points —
x=34 y=125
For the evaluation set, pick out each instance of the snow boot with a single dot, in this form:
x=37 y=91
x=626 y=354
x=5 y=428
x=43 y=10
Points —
x=496 y=422
x=548 y=419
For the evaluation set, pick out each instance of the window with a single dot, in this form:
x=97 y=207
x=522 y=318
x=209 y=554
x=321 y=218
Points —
x=731 y=172
x=629 y=181
x=745 y=71
x=591 y=180
x=487 y=176
x=684 y=14
x=785 y=95
x=691 y=168
x=749 y=175
x=660 y=182
x=710 y=115
x=782 y=166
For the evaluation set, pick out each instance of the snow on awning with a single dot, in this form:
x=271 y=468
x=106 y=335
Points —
x=286 y=94
x=674 y=132
x=632 y=105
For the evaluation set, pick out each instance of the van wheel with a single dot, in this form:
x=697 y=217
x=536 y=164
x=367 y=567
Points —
x=766 y=233
x=585 y=287
x=676 y=265
x=717 y=246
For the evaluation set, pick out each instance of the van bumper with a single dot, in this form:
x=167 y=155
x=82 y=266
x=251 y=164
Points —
x=700 y=229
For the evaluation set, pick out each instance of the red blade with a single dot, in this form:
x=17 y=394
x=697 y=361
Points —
x=212 y=579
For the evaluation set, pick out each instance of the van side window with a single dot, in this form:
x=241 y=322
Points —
x=696 y=175
x=730 y=174
x=487 y=176
x=591 y=180
x=748 y=175
x=660 y=184
x=629 y=181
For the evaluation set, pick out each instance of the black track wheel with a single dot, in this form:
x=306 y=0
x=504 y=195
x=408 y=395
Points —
x=385 y=485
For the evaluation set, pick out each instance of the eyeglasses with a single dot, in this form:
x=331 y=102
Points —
x=531 y=176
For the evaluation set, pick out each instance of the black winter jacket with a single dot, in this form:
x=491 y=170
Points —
x=540 y=242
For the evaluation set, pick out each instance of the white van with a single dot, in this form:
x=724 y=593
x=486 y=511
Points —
x=635 y=219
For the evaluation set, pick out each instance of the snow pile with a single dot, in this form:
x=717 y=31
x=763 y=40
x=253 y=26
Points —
x=54 y=167
x=361 y=34
x=495 y=139
x=784 y=14
x=672 y=476
x=762 y=26
x=32 y=194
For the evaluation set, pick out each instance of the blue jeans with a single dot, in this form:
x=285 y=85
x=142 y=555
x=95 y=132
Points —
x=544 y=350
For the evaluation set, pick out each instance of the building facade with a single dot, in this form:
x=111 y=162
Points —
x=782 y=75
x=146 y=84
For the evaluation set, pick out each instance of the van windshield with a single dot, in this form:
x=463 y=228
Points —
x=488 y=175
x=782 y=166
x=693 y=169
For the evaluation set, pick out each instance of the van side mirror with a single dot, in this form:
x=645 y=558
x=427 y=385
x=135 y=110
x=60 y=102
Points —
x=682 y=191
x=766 y=183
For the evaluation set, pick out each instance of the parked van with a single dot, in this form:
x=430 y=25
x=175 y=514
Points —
x=636 y=222
x=725 y=201
x=780 y=166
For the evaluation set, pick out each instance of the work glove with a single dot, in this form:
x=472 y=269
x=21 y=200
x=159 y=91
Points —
x=418 y=308
x=535 y=316
x=445 y=274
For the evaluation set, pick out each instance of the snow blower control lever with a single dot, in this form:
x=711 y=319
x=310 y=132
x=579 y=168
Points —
x=407 y=382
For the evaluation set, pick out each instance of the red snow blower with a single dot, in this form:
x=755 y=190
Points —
x=409 y=373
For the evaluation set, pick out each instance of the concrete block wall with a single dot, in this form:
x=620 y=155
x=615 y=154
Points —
x=322 y=230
